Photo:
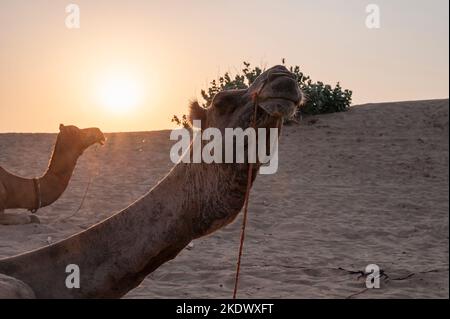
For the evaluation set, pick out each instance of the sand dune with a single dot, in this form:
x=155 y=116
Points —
x=366 y=186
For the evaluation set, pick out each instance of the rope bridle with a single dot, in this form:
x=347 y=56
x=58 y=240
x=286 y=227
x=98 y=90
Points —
x=247 y=192
x=38 y=195
x=85 y=193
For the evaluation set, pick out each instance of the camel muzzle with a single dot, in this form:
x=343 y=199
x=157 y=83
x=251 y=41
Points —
x=279 y=108
x=102 y=140
x=280 y=95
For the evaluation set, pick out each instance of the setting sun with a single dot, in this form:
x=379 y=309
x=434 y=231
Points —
x=119 y=93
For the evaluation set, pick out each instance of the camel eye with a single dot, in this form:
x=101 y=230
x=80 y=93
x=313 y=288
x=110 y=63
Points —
x=225 y=102
x=217 y=101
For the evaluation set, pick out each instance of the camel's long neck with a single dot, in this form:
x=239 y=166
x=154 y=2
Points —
x=55 y=180
x=115 y=255
x=22 y=193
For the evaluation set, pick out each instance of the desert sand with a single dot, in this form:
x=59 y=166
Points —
x=367 y=186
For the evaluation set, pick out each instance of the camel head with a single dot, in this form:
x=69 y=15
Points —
x=80 y=139
x=275 y=91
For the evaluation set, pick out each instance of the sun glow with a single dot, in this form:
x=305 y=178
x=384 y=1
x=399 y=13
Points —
x=119 y=93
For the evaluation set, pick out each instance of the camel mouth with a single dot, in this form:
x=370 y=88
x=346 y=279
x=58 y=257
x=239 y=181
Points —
x=279 y=107
x=102 y=141
x=100 y=138
x=280 y=96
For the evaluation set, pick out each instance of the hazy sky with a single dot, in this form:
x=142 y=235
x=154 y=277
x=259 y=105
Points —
x=170 y=50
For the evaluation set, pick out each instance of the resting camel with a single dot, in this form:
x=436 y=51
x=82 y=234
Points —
x=32 y=194
x=193 y=200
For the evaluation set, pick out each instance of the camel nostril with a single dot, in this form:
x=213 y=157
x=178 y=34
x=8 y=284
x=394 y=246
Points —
x=273 y=75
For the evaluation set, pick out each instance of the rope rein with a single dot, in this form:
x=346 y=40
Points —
x=38 y=195
x=86 y=190
x=247 y=193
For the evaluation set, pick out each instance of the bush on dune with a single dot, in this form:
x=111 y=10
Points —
x=320 y=98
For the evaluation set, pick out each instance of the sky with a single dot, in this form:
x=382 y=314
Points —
x=131 y=65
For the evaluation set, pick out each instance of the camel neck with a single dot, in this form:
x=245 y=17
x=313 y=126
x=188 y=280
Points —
x=55 y=180
x=115 y=255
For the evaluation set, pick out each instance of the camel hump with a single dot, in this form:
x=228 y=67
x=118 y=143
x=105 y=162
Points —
x=12 y=288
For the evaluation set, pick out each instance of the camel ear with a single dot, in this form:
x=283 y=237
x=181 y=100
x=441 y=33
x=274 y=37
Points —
x=61 y=127
x=196 y=112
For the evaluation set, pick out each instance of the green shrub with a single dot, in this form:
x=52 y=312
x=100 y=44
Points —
x=183 y=121
x=319 y=97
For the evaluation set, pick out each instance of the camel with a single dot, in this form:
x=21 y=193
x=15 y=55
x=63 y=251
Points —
x=32 y=194
x=193 y=200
